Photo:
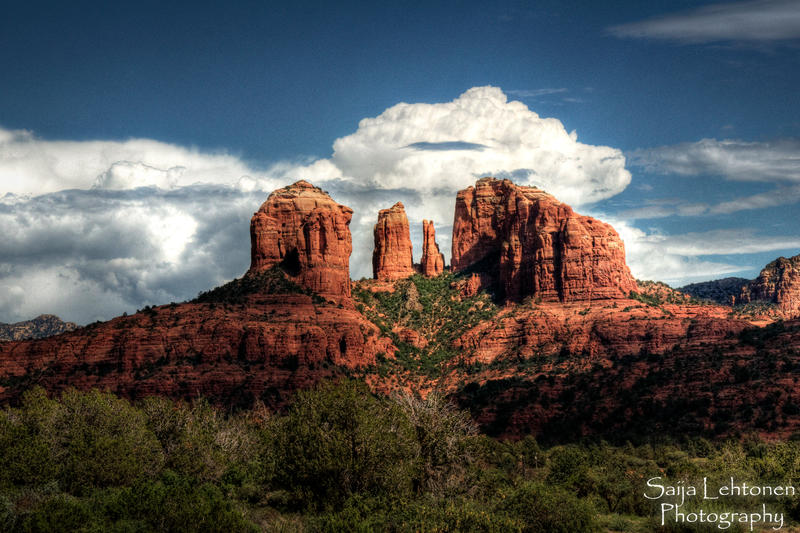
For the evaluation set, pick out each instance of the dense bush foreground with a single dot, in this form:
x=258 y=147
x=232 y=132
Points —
x=339 y=460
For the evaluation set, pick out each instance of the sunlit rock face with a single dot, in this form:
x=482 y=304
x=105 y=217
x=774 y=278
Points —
x=392 y=256
x=432 y=259
x=305 y=232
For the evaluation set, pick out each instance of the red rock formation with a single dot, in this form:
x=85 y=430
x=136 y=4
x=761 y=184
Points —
x=538 y=245
x=301 y=229
x=779 y=283
x=619 y=327
x=264 y=347
x=432 y=259
x=257 y=337
x=391 y=258
x=710 y=382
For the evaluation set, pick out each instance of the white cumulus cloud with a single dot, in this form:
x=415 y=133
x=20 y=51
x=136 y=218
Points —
x=431 y=147
x=686 y=258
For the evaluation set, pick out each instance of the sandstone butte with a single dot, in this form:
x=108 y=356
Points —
x=587 y=359
x=778 y=283
x=392 y=255
x=432 y=263
x=530 y=244
x=301 y=229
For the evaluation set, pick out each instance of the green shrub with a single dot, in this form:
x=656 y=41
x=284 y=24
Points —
x=547 y=508
x=83 y=440
x=339 y=440
x=198 y=440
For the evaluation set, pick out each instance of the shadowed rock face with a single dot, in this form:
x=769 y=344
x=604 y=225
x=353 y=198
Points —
x=392 y=256
x=534 y=245
x=432 y=259
x=779 y=283
x=301 y=229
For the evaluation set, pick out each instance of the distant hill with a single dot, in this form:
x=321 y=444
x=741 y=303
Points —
x=719 y=290
x=38 y=328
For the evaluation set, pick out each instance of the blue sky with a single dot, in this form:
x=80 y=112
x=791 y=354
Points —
x=136 y=139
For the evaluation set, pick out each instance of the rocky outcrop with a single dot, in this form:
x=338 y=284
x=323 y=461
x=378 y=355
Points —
x=38 y=328
x=537 y=245
x=432 y=259
x=618 y=327
x=392 y=256
x=778 y=283
x=305 y=232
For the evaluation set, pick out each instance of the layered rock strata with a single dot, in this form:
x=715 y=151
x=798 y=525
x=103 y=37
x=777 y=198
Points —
x=536 y=245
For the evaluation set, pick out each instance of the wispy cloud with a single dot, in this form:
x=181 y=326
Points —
x=757 y=21
x=776 y=161
x=754 y=21
x=776 y=197
x=685 y=258
x=536 y=93
x=446 y=145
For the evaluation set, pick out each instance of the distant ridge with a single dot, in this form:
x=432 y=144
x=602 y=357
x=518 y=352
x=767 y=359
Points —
x=723 y=291
x=38 y=328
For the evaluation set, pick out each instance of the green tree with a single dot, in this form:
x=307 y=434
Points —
x=339 y=440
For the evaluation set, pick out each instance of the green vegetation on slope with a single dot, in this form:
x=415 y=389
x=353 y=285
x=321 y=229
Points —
x=657 y=293
x=272 y=281
x=430 y=307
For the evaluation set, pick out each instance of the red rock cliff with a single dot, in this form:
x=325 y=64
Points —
x=779 y=282
x=301 y=229
x=432 y=259
x=538 y=245
x=391 y=258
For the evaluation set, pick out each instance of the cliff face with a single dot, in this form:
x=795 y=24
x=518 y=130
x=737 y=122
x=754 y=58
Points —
x=392 y=256
x=260 y=347
x=432 y=259
x=779 y=283
x=539 y=246
x=302 y=230
x=38 y=328
x=712 y=382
